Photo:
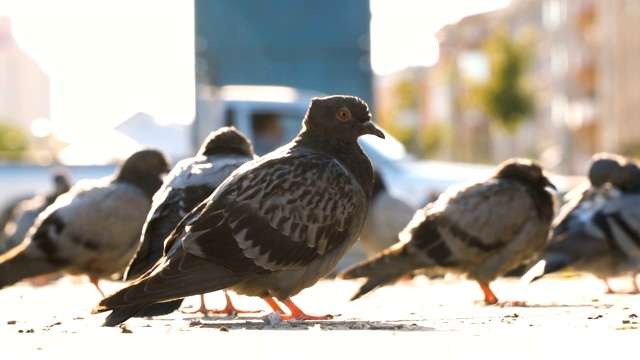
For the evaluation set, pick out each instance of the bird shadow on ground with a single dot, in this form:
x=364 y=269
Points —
x=265 y=323
x=545 y=306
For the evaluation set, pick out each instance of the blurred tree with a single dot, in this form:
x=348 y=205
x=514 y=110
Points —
x=631 y=149
x=506 y=97
x=406 y=93
x=433 y=137
x=14 y=143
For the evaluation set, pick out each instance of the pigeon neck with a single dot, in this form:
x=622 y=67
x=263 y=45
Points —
x=544 y=202
x=348 y=153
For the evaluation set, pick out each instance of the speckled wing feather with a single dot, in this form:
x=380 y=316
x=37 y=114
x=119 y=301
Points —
x=303 y=210
x=600 y=233
x=486 y=228
x=621 y=221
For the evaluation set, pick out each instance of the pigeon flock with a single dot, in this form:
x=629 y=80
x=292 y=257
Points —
x=272 y=226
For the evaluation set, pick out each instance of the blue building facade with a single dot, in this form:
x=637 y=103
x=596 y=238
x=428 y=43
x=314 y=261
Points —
x=319 y=45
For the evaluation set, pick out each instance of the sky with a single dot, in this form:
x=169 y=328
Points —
x=108 y=59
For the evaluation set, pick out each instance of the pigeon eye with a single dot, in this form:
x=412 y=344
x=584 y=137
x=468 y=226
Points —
x=344 y=114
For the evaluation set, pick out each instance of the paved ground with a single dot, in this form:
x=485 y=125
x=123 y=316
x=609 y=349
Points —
x=563 y=315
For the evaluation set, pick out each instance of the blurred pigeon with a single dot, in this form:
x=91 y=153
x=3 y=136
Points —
x=388 y=215
x=93 y=229
x=596 y=231
x=24 y=213
x=274 y=227
x=481 y=229
x=615 y=169
x=190 y=182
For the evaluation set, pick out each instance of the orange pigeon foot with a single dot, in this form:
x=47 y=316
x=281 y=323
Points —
x=489 y=297
x=95 y=282
x=296 y=313
x=229 y=309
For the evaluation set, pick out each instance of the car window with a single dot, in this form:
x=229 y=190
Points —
x=272 y=130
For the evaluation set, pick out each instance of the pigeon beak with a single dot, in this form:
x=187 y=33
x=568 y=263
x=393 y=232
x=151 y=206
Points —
x=371 y=129
x=550 y=184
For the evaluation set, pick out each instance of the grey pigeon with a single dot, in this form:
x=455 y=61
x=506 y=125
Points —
x=189 y=183
x=480 y=229
x=24 y=213
x=597 y=231
x=276 y=226
x=388 y=215
x=621 y=172
x=93 y=229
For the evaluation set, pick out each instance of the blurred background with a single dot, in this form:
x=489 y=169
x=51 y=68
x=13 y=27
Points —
x=88 y=82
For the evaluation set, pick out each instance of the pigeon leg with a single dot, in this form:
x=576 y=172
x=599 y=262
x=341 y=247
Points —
x=273 y=304
x=201 y=310
x=636 y=289
x=229 y=309
x=489 y=297
x=296 y=313
x=609 y=289
x=95 y=282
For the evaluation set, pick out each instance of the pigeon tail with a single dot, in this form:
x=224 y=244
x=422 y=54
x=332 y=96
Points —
x=550 y=264
x=15 y=266
x=385 y=268
x=394 y=260
x=122 y=314
x=158 y=309
x=374 y=283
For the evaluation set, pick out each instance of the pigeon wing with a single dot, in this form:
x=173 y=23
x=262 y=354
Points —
x=284 y=213
x=476 y=222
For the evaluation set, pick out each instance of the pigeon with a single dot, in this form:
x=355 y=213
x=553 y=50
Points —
x=597 y=230
x=93 y=229
x=388 y=215
x=621 y=172
x=22 y=216
x=480 y=229
x=189 y=183
x=275 y=226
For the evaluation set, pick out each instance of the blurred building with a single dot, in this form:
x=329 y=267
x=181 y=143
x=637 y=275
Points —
x=320 y=46
x=401 y=100
x=24 y=86
x=315 y=45
x=584 y=73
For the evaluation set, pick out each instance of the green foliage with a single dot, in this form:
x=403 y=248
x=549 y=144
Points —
x=631 y=149
x=404 y=134
x=14 y=143
x=505 y=97
x=432 y=138
x=406 y=93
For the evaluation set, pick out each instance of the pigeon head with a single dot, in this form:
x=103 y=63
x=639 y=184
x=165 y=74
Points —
x=144 y=169
x=603 y=166
x=627 y=178
x=525 y=170
x=226 y=140
x=61 y=181
x=341 y=116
